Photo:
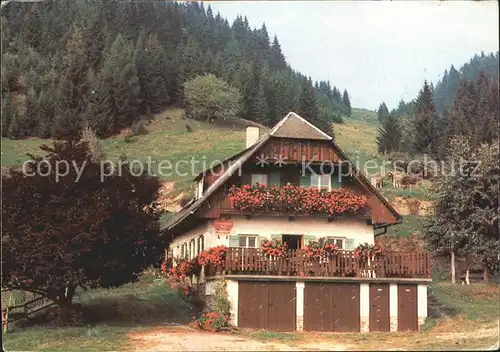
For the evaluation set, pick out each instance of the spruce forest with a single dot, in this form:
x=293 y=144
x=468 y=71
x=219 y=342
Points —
x=464 y=102
x=110 y=64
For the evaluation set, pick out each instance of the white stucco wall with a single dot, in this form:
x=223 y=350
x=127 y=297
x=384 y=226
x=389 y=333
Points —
x=203 y=229
x=265 y=227
x=307 y=226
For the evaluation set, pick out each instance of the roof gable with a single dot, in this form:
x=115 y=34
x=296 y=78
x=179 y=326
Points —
x=292 y=120
x=294 y=126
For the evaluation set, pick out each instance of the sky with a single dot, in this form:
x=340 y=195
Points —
x=378 y=51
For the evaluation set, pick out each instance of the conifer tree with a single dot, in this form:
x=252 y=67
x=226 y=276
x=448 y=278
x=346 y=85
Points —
x=382 y=112
x=347 y=103
x=8 y=113
x=99 y=115
x=308 y=107
x=425 y=139
x=487 y=128
x=278 y=61
x=150 y=64
x=120 y=75
x=389 y=135
x=72 y=87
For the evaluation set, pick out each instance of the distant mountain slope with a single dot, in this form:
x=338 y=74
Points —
x=447 y=87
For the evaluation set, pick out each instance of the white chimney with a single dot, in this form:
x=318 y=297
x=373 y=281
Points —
x=252 y=135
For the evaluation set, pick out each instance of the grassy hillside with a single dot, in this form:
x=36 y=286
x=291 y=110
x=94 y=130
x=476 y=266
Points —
x=357 y=136
x=167 y=140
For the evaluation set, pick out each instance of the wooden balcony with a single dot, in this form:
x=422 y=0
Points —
x=252 y=261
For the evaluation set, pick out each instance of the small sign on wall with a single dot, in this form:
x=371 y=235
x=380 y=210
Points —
x=223 y=227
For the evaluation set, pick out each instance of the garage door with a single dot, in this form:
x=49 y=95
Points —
x=407 y=308
x=331 y=307
x=379 y=307
x=267 y=305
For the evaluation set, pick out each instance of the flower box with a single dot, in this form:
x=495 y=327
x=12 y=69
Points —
x=297 y=200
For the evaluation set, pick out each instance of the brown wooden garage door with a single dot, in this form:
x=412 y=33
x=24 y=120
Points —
x=267 y=305
x=407 y=308
x=331 y=307
x=379 y=307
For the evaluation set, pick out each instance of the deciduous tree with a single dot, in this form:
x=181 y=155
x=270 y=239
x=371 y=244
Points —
x=208 y=97
x=76 y=229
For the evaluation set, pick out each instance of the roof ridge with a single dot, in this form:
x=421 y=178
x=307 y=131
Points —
x=295 y=131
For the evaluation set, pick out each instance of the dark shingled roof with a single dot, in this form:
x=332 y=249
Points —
x=294 y=126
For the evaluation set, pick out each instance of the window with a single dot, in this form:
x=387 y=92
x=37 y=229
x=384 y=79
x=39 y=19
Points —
x=320 y=181
x=339 y=242
x=202 y=243
x=259 y=178
x=247 y=241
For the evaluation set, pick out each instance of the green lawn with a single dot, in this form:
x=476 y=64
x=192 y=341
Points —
x=109 y=315
x=476 y=302
x=410 y=225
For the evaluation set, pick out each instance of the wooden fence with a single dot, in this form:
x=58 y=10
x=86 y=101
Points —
x=252 y=261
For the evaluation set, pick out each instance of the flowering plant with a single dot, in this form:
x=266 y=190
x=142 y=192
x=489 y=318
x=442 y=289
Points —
x=212 y=321
x=291 y=198
x=318 y=249
x=273 y=247
x=179 y=276
x=212 y=256
x=366 y=251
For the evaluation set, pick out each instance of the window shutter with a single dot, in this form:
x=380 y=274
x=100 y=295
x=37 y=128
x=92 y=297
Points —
x=349 y=244
x=234 y=241
x=274 y=179
x=335 y=181
x=305 y=180
x=308 y=239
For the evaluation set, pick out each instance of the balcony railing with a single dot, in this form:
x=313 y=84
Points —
x=252 y=261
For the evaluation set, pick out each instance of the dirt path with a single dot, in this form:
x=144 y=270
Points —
x=184 y=338
x=187 y=339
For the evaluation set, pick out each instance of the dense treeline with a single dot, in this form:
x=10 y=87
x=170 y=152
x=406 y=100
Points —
x=110 y=63
x=420 y=127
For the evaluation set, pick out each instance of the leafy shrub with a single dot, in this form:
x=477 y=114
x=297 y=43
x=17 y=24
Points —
x=217 y=318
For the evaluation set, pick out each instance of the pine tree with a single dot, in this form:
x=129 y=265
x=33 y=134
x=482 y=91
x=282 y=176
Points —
x=487 y=128
x=254 y=103
x=95 y=41
x=382 y=112
x=150 y=64
x=464 y=117
x=73 y=86
x=99 y=115
x=278 y=61
x=389 y=135
x=120 y=75
x=425 y=123
x=8 y=113
x=347 y=103
x=308 y=107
